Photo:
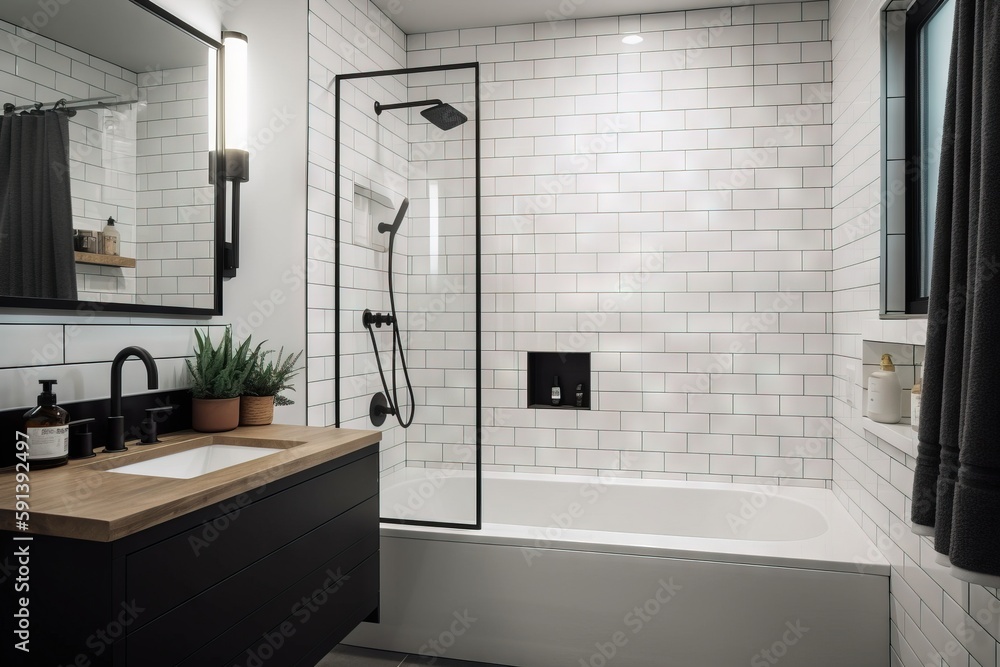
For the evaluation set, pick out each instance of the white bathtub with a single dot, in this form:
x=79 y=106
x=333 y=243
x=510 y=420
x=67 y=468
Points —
x=594 y=572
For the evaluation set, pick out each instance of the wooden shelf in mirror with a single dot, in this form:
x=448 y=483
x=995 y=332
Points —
x=104 y=260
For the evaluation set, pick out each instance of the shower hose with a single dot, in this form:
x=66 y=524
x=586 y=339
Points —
x=397 y=340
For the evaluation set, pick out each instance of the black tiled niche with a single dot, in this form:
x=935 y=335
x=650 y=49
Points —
x=572 y=368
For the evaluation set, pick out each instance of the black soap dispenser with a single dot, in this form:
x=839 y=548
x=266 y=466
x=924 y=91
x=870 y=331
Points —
x=556 y=391
x=47 y=428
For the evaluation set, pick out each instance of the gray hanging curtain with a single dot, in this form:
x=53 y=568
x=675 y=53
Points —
x=956 y=487
x=36 y=218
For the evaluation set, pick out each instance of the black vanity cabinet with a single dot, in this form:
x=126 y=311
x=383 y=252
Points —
x=274 y=577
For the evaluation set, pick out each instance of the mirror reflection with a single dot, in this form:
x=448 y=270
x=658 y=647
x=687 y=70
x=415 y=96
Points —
x=104 y=168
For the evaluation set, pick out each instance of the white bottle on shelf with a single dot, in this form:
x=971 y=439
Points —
x=915 y=405
x=885 y=393
x=110 y=238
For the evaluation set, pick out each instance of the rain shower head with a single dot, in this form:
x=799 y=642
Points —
x=441 y=114
x=444 y=116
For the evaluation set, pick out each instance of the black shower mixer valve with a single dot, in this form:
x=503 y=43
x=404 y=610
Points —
x=369 y=318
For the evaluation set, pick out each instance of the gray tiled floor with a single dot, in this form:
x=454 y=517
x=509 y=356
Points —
x=352 y=656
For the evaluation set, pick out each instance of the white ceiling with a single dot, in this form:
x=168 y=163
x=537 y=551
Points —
x=417 y=16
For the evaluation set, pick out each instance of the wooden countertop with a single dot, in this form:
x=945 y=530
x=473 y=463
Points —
x=81 y=500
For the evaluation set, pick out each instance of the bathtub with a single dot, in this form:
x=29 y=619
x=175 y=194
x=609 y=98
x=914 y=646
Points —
x=592 y=572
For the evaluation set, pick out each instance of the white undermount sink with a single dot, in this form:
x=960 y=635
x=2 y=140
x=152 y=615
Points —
x=196 y=462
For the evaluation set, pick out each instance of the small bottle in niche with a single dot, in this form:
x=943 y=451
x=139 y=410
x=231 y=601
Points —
x=47 y=427
x=110 y=238
x=885 y=394
x=556 y=391
x=915 y=406
x=579 y=395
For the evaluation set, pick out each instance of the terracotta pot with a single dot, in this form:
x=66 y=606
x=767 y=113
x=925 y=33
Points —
x=256 y=410
x=211 y=415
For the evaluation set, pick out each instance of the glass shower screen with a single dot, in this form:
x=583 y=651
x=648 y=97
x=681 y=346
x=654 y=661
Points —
x=408 y=197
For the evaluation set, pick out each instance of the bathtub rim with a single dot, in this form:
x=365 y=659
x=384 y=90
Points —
x=831 y=551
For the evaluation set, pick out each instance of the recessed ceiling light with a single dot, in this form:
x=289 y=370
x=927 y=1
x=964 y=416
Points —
x=631 y=39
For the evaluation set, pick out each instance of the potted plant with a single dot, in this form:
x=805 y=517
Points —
x=218 y=375
x=263 y=387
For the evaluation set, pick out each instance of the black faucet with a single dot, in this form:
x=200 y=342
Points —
x=116 y=422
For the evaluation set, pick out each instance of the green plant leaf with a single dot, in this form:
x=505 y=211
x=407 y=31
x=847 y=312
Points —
x=219 y=371
x=271 y=377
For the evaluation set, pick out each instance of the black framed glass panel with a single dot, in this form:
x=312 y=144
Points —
x=929 y=27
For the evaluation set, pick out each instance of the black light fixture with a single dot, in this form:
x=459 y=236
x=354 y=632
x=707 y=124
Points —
x=237 y=155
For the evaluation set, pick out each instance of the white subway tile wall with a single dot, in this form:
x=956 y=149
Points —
x=78 y=355
x=595 y=240
x=438 y=312
x=353 y=36
x=936 y=619
x=664 y=206
x=175 y=202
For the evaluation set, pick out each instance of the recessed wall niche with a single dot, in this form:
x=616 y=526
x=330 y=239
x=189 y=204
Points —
x=572 y=369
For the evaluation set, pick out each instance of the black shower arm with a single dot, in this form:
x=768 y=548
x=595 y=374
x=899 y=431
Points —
x=379 y=107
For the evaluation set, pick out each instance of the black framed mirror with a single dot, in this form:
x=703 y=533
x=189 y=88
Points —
x=111 y=114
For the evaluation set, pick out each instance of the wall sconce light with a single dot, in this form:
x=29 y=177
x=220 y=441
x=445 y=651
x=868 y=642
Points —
x=237 y=155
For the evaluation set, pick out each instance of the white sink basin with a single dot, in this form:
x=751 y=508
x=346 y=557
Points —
x=196 y=462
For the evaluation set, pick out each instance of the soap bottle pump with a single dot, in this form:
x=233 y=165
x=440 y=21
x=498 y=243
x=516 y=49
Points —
x=556 y=391
x=110 y=239
x=47 y=427
x=885 y=393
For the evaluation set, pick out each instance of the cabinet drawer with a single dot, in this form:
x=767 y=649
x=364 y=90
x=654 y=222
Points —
x=354 y=593
x=167 y=573
x=294 y=638
x=169 y=639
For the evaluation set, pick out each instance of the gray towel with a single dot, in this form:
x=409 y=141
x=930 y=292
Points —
x=36 y=216
x=957 y=478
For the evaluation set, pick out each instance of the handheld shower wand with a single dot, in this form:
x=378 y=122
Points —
x=389 y=403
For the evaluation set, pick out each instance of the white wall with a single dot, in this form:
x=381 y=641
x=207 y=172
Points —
x=268 y=295
x=937 y=620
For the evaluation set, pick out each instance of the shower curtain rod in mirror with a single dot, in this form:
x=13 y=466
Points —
x=69 y=104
